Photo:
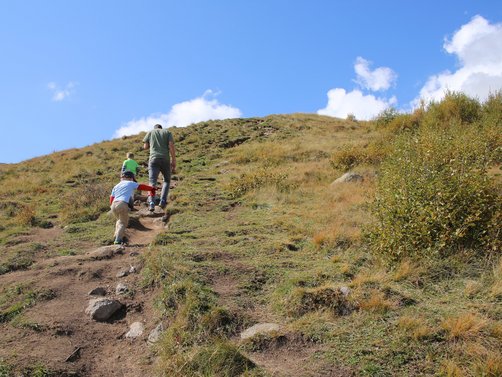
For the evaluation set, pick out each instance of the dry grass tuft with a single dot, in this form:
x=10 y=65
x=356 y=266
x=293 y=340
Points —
x=377 y=303
x=495 y=330
x=407 y=270
x=450 y=369
x=370 y=277
x=464 y=326
x=415 y=327
x=496 y=288
x=26 y=216
x=489 y=366
x=472 y=288
x=339 y=233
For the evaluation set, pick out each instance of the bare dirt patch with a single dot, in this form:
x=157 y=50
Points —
x=56 y=332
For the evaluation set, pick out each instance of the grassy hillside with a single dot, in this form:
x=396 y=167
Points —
x=258 y=233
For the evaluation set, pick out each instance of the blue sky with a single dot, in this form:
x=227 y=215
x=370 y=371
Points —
x=74 y=73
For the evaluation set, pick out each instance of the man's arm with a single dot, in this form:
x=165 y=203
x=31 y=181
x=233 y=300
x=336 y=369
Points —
x=172 y=152
x=146 y=141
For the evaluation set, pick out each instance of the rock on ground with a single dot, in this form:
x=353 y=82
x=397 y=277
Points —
x=348 y=177
x=105 y=252
x=122 y=273
x=155 y=334
x=101 y=309
x=135 y=330
x=121 y=289
x=98 y=291
x=258 y=329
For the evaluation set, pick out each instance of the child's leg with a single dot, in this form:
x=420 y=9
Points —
x=121 y=212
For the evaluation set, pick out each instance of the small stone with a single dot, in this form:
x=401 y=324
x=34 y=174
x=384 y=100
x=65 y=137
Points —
x=99 y=291
x=105 y=252
x=348 y=177
x=258 y=329
x=345 y=291
x=132 y=270
x=121 y=289
x=122 y=273
x=101 y=309
x=133 y=253
x=135 y=330
x=155 y=334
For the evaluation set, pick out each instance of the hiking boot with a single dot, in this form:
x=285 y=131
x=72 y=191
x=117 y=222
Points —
x=151 y=206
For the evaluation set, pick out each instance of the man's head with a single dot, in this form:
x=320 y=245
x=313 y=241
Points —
x=157 y=127
x=129 y=175
x=130 y=155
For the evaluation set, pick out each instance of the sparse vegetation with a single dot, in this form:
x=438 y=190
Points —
x=258 y=233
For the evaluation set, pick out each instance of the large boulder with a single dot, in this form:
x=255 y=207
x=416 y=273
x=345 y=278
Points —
x=101 y=309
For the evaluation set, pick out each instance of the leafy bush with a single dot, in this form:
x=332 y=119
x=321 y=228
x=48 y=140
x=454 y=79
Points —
x=434 y=195
x=492 y=108
x=392 y=121
x=386 y=116
x=455 y=108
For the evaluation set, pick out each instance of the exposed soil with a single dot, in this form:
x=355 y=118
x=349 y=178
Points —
x=53 y=329
x=57 y=333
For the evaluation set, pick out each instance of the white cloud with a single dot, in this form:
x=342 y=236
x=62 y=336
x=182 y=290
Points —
x=379 y=79
x=363 y=107
x=59 y=94
x=478 y=48
x=182 y=114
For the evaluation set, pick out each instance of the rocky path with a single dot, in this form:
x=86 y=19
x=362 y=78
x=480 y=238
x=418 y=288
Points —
x=58 y=331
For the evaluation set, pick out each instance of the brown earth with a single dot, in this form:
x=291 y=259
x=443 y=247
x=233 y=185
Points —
x=61 y=336
x=58 y=326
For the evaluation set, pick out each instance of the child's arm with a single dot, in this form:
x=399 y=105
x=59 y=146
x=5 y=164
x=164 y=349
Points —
x=143 y=187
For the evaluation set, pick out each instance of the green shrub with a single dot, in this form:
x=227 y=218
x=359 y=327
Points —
x=385 y=117
x=453 y=109
x=492 y=107
x=405 y=122
x=434 y=195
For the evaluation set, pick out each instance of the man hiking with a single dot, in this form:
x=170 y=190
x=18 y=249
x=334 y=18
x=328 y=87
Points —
x=162 y=160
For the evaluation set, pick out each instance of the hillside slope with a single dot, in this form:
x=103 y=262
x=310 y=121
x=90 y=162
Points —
x=257 y=233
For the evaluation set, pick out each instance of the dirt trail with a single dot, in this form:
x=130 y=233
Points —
x=52 y=329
